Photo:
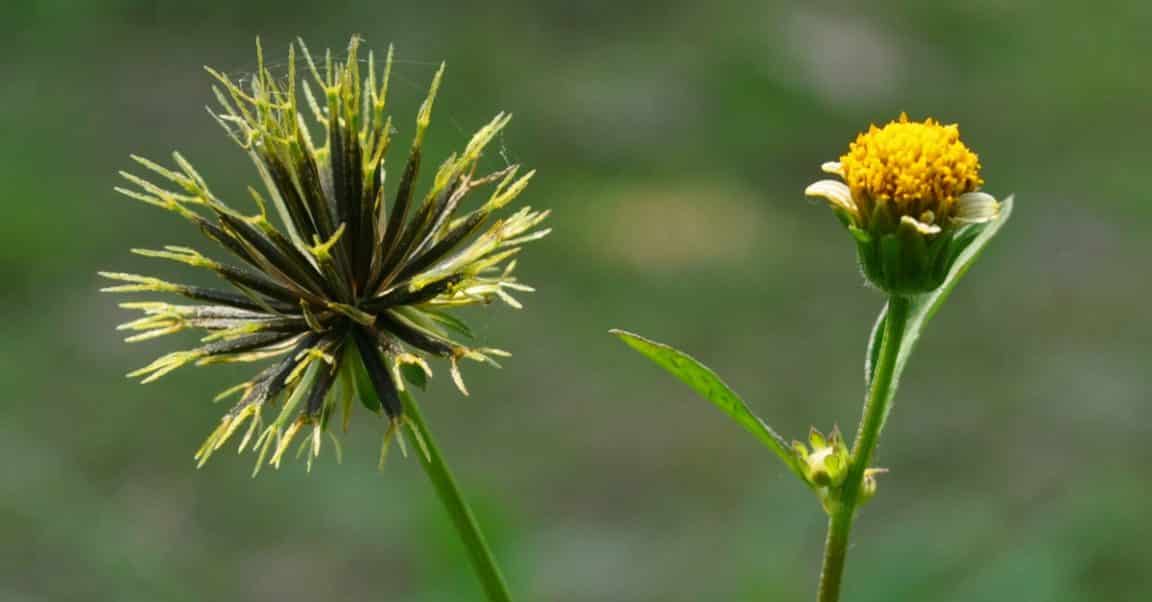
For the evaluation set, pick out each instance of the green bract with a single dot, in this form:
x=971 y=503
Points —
x=902 y=259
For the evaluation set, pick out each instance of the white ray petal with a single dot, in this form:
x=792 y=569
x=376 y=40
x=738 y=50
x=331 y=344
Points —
x=832 y=167
x=920 y=226
x=834 y=192
x=975 y=208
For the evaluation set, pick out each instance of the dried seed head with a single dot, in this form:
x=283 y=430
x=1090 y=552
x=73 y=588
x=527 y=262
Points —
x=349 y=283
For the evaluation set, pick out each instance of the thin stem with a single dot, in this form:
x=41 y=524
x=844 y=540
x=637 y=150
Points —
x=843 y=510
x=835 y=549
x=462 y=517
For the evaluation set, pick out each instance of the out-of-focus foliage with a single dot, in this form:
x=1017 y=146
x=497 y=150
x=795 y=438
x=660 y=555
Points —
x=673 y=141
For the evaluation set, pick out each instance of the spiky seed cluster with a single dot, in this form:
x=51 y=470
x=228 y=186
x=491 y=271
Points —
x=910 y=197
x=348 y=286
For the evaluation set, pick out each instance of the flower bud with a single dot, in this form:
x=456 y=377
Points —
x=825 y=462
x=868 y=487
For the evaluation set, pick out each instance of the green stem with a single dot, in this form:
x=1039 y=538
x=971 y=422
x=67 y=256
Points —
x=462 y=517
x=835 y=548
x=843 y=510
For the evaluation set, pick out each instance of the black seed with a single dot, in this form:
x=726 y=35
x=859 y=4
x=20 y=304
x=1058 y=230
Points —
x=296 y=267
x=321 y=387
x=297 y=211
x=402 y=296
x=367 y=234
x=225 y=239
x=258 y=282
x=271 y=381
x=415 y=337
x=442 y=248
x=432 y=218
x=392 y=236
x=233 y=299
x=308 y=175
x=246 y=343
x=378 y=373
x=347 y=182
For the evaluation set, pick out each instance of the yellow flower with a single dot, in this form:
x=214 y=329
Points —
x=910 y=195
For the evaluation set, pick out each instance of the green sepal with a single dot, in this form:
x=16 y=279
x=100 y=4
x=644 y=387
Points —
x=861 y=236
x=708 y=385
x=915 y=260
x=891 y=269
x=835 y=465
x=845 y=218
x=365 y=392
x=900 y=260
x=414 y=375
x=882 y=218
x=816 y=439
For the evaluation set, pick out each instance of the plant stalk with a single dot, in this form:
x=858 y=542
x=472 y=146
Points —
x=483 y=562
x=880 y=394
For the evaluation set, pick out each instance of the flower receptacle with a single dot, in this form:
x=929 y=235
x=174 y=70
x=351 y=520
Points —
x=908 y=261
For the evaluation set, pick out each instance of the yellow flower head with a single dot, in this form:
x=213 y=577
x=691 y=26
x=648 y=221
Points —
x=916 y=167
x=910 y=195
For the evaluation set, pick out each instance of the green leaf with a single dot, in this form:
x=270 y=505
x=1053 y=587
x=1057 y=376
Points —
x=709 y=386
x=926 y=306
x=874 y=341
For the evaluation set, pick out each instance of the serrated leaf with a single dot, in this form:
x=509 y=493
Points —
x=926 y=306
x=709 y=386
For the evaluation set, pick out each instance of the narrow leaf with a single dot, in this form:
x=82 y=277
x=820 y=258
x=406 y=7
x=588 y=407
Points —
x=874 y=341
x=709 y=386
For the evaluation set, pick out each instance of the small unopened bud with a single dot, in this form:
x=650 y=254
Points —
x=868 y=487
x=826 y=462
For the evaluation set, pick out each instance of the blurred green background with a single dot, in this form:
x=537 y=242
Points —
x=673 y=142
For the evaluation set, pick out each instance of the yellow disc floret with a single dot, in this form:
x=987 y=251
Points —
x=912 y=167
